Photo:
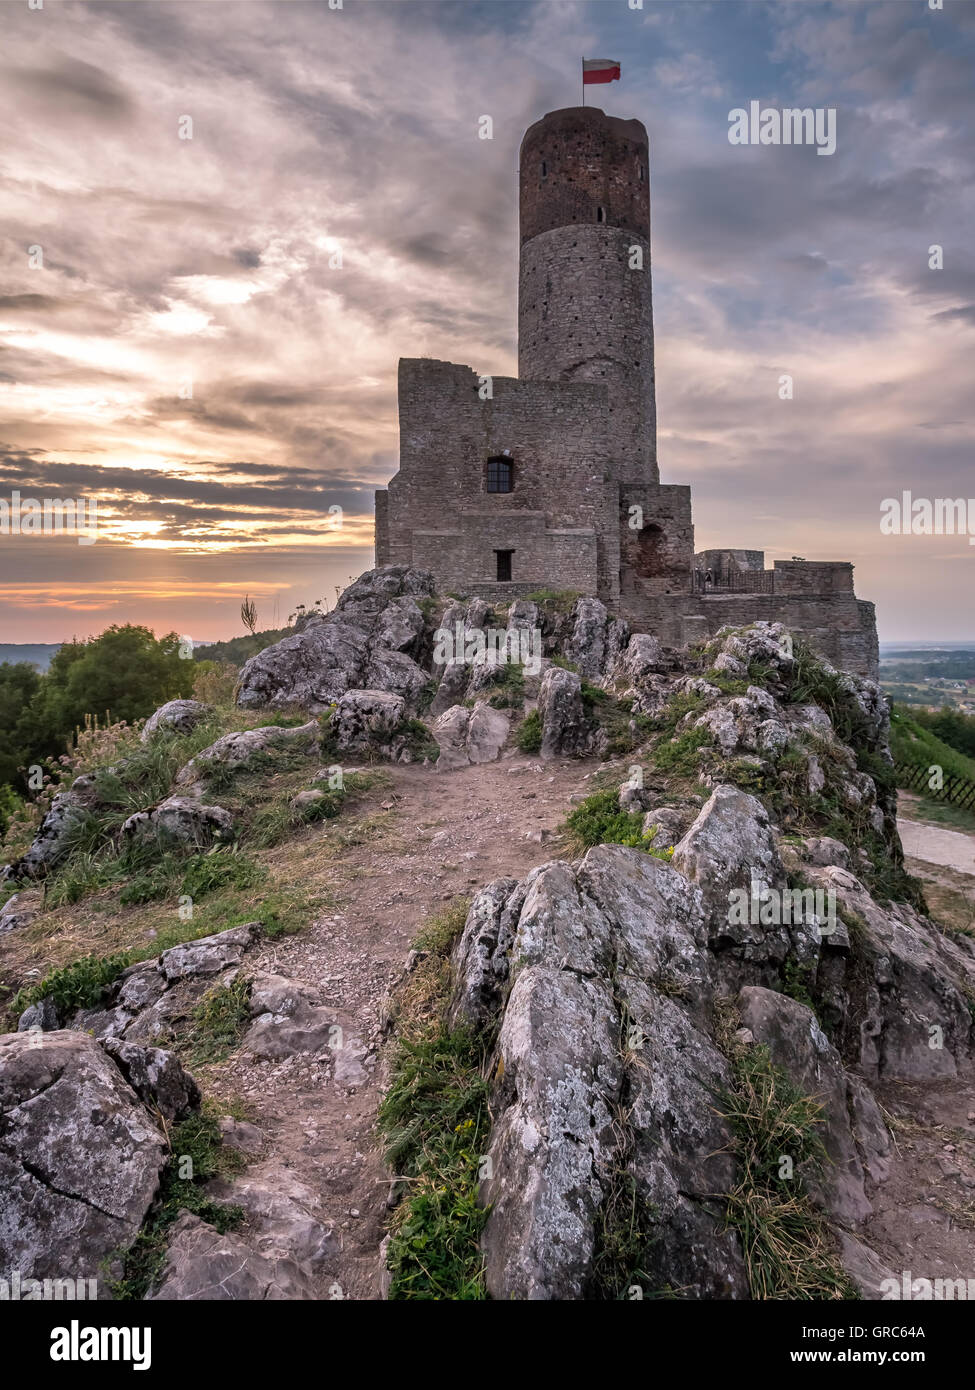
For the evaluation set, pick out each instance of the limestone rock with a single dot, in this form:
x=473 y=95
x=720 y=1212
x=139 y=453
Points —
x=235 y=750
x=470 y=736
x=596 y=640
x=643 y=656
x=19 y=911
x=288 y=1019
x=177 y=716
x=156 y=1076
x=201 y=1264
x=855 y=1136
x=729 y=846
x=184 y=820
x=54 y=838
x=285 y=1220
x=366 y=718
x=210 y=954
x=370 y=642
x=565 y=727
x=80 y=1156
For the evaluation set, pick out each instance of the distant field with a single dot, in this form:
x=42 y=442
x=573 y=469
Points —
x=37 y=653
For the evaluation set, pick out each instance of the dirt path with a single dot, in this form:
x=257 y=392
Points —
x=924 y=1213
x=952 y=849
x=429 y=838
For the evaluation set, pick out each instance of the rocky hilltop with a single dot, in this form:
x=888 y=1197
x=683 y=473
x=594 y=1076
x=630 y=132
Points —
x=617 y=989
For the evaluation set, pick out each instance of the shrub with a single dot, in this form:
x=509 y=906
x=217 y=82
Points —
x=600 y=820
x=528 y=735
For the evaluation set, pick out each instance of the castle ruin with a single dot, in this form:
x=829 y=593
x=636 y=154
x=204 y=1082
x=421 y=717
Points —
x=549 y=480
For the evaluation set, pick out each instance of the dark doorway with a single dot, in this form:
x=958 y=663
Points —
x=504 y=565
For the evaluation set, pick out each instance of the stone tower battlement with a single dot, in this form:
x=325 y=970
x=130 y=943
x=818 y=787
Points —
x=585 y=307
x=549 y=480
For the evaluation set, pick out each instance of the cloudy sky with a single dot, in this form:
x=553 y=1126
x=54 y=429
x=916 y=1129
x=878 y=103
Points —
x=187 y=349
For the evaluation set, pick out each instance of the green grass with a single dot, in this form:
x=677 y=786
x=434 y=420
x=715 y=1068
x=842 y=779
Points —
x=554 y=601
x=786 y=1242
x=217 y=1023
x=81 y=985
x=528 y=734
x=196 y=1156
x=939 y=813
x=911 y=743
x=615 y=717
x=680 y=756
x=508 y=686
x=600 y=820
x=434 y=1122
x=627 y=1230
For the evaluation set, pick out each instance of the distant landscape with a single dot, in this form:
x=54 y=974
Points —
x=927 y=673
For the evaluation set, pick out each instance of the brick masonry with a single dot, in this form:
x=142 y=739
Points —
x=578 y=426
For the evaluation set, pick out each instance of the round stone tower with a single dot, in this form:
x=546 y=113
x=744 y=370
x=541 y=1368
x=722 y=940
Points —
x=584 y=297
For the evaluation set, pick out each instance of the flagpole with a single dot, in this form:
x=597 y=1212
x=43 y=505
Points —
x=583 y=81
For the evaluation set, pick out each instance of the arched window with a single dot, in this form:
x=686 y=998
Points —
x=600 y=215
x=500 y=474
x=544 y=169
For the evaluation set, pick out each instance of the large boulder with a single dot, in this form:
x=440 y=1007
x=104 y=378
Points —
x=565 y=727
x=366 y=719
x=856 y=1139
x=470 y=736
x=900 y=996
x=622 y=1091
x=176 y=716
x=369 y=642
x=80 y=1156
x=238 y=749
x=183 y=820
x=596 y=640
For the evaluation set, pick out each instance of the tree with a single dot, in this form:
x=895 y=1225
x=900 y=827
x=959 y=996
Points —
x=125 y=673
x=19 y=685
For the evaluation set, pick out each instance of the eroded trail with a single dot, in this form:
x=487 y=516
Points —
x=416 y=844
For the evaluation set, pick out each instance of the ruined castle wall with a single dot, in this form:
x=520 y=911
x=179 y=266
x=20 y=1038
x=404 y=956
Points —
x=555 y=434
x=840 y=627
x=656 y=555
x=463 y=557
x=813 y=577
x=382 y=528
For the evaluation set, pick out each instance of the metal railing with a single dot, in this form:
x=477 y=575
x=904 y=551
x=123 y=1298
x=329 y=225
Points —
x=738 y=582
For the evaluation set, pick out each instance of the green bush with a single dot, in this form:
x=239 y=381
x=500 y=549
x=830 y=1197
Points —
x=599 y=820
x=528 y=735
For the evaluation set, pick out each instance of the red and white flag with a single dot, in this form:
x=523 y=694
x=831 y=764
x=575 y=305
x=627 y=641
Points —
x=600 y=70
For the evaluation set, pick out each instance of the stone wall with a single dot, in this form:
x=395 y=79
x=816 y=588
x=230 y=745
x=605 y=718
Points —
x=462 y=557
x=561 y=511
x=584 y=295
x=656 y=557
x=724 y=563
x=578 y=163
x=838 y=625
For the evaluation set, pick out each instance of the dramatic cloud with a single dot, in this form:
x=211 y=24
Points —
x=203 y=332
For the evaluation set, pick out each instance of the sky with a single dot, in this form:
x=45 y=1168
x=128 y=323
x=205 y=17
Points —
x=202 y=333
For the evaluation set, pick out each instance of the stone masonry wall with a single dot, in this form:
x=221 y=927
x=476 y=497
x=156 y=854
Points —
x=463 y=559
x=556 y=435
x=585 y=315
x=841 y=627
